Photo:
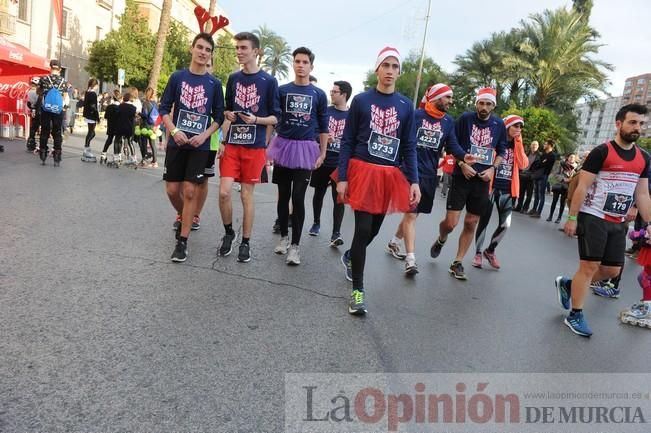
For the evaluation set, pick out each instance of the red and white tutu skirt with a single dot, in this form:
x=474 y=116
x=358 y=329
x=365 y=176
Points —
x=376 y=189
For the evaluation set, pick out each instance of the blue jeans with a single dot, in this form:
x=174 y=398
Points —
x=539 y=187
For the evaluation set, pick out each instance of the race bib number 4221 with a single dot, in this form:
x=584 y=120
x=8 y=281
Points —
x=298 y=104
x=484 y=155
x=192 y=123
x=383 y=146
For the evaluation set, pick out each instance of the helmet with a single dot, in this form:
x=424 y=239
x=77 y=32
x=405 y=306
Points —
x=35 y=80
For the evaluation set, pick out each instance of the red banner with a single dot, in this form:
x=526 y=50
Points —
x=58 y=14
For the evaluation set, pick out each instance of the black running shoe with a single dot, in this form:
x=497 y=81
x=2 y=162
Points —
x=196 y=223
x=436 y=248
x=244 y=254
x=456 y=270
x=227 y=244
x=336 y=240
x=180 y=252
x=276 y=227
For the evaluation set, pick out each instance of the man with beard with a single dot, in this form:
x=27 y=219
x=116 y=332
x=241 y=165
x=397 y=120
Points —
x=480 y=135
x=433 y=128
x=612 y=178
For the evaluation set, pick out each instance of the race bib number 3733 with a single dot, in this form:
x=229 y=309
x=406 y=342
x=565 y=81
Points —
x=383 y=146
x=192 y=123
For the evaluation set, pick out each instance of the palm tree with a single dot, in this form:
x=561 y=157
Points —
x=266 y=36
x=163 y=29
x=278 y=56
x=559 y=45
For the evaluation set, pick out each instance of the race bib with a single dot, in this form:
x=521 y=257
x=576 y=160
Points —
x=242 y=134
x=298 y=104
x=192 y=123
x=484 y=155
x=383 y=146
x=335 y=145
x=504 y=171
x=617 y=204
x=428 y=138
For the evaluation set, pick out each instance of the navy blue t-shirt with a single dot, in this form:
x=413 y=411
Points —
x=304 y=112
x=504 y=172
x=196 y=99
x=336 y=123
x=380 y=130
x=483 y=138
x=431 y=135
x=256 y=94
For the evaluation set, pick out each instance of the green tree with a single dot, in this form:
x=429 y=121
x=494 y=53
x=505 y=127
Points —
x=541 y=124
x=266 y=36
x=406 y=83
x=277 y=57
x=124 y=48
x=644 y=143
x=224 y=58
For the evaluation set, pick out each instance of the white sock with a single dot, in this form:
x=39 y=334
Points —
x=411 y=256
x=396 y=240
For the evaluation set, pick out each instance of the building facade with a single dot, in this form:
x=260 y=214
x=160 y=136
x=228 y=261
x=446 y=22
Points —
x=596 y=122
x=638 y=90
x=32 y=23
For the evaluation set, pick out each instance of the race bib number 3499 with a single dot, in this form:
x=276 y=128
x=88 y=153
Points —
x=192 y=123
x=383 y=146
x=242 y=134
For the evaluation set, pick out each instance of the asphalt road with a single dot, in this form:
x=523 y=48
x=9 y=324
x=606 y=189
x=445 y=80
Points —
x=102 y=333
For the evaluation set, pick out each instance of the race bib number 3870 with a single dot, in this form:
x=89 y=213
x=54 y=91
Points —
x=192 y=123
x=383 y=146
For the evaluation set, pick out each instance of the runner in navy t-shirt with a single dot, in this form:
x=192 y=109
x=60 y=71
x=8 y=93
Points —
x=337 y=114
x=197 y=101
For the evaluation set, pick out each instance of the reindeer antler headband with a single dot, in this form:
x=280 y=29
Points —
x=216 y=23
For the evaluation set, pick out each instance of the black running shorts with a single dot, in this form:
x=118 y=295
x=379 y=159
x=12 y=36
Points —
x=210 y=164
x=185 y=165
x=427 y=193
x=283 y=174
x=321 y=177
x=600 y=240
x=469 y=193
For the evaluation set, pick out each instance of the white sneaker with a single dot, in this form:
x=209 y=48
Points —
x=395 y=250
x=282 y=246
x=411 y=268
x=293 y=256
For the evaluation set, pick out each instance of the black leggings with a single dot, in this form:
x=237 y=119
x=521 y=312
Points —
x=117 y=146
x=563 y=196
x=337 y=210
x=293 y=188
x=367 y=226
x=504 y=204
x=143 y=142
x=91 y=133
x=109 y=141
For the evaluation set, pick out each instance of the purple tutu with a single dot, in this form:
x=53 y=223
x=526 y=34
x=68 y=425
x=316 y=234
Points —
x=294 y=153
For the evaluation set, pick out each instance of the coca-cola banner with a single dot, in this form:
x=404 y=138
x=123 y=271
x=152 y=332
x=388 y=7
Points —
x=13 y=92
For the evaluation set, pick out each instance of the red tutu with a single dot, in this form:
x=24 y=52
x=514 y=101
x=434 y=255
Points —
x=644 y=258
x=376 y=189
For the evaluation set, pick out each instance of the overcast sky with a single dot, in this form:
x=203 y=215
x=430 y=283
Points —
x=346 y=35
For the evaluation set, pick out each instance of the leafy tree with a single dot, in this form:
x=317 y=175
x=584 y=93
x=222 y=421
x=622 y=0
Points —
x=406 y=83
x=224 y=58
x=644 y=143
x=124 y=48
x=277 y=57
x=266 y=36
x=541 y=124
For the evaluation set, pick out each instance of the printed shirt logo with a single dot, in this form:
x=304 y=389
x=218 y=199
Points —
x=247 y=97
x=194 y=97
x=385 y=121
x=336 y=130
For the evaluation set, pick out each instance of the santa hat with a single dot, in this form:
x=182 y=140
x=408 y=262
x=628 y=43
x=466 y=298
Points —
x=437 y=91
x=384 y=53
x=487 y=94
x=512 y=119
